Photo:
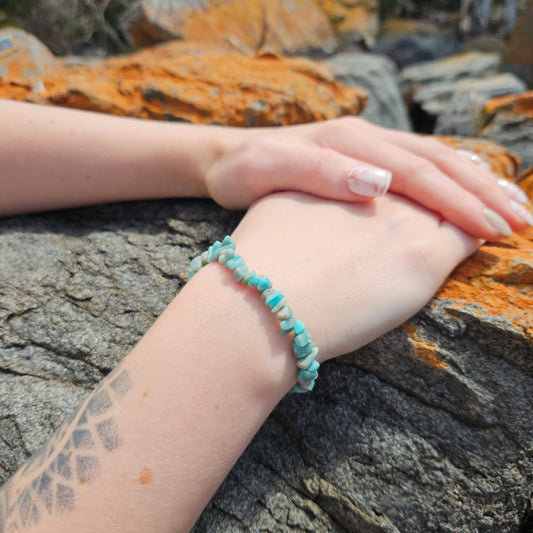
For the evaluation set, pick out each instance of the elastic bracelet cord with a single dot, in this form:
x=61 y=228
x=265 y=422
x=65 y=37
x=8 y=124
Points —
x=303 y=348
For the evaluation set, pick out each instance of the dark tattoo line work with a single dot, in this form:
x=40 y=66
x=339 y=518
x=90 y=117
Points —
x=47 y=484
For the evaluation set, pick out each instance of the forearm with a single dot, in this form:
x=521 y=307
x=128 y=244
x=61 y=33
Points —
x=54 y=158
x=187 y=401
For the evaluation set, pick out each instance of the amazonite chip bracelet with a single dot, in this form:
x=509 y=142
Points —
x=303 y=348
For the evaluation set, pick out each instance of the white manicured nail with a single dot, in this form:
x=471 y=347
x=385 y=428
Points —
x=475 y=158
x=369 y=181
x=522 y=212
x=497 y=222
x=513 y=191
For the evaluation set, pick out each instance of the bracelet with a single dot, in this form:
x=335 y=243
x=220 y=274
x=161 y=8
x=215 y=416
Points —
x=304 y=349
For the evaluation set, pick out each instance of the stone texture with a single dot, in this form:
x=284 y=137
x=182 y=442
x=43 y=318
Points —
x=446 y=96
x=410 y=41
x=70 y=26
x=458 y=105
x=292 y=27
x=23 y=56
x=466 y=65
x=355 y=21
x=234 y=90
x=428 y=428
x=509 y=121
x=377 y=74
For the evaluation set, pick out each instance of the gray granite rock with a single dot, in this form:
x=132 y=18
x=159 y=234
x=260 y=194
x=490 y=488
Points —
x=385 y=443
x=458 y=106
x=466 y=65
x=515 y=132
x=376 y=73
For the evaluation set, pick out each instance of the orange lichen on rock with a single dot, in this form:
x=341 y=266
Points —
x=234 y=90
x=498 y=279
x=291 y=27
x=519 y=104
x=502 y=162
x=23 y=56
x=422 y=348
x=354 y=21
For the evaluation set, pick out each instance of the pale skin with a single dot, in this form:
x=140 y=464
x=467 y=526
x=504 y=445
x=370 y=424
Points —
x=151 y=445
x=69 y=158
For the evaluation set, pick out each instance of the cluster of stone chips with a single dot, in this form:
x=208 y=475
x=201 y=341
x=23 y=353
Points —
x=303 y=348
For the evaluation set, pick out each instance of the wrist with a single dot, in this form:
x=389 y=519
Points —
x=241 y=324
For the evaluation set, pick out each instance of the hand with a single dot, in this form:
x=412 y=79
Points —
x=350 y=272
x=321 y=158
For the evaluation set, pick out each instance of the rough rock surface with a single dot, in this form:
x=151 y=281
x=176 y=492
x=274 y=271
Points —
x=449 y=94
x=466 y=65
x=23 y=56
x=458 y=105
x=509 y=121
x=377 y=74
x=408 y=41
x=235 y=90
x=290 y=27
x=428 y=428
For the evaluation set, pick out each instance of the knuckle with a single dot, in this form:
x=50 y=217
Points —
x=340 y=125
x=321 y=163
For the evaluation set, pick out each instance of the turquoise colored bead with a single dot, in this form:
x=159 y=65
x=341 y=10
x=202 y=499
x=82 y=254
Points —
x=306 y=376
x=313 y=367
x=234 y=262
x=302 y=339
x=306 y=361
x=299 y=327
x=302 y=351
x=275 y=299
x=196 y=263
x=225 y=255
x=213 y=252
x=228 y=241
x=287 y=325
x=240 y=272
x=246 y=279
x=266 y=293
x=279 y=305
x=299 y=389
x=254 y=280
x=284 y=313
x=264 y=284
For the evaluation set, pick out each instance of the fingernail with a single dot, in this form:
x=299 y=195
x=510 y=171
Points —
x=475 y=158
x=513 y=190
x=498 y=223
x=522 y=212
x=368 y=181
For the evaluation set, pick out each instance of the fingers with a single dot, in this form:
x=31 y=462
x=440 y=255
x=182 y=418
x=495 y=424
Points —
x=267 y=165
x=419 y=179
x=471 y=173
x=435 y=176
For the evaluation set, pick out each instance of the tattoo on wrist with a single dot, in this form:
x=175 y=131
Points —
x=47 y=484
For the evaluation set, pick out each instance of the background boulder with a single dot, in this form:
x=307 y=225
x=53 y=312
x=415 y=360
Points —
x=234 y=90
x=377 y=74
